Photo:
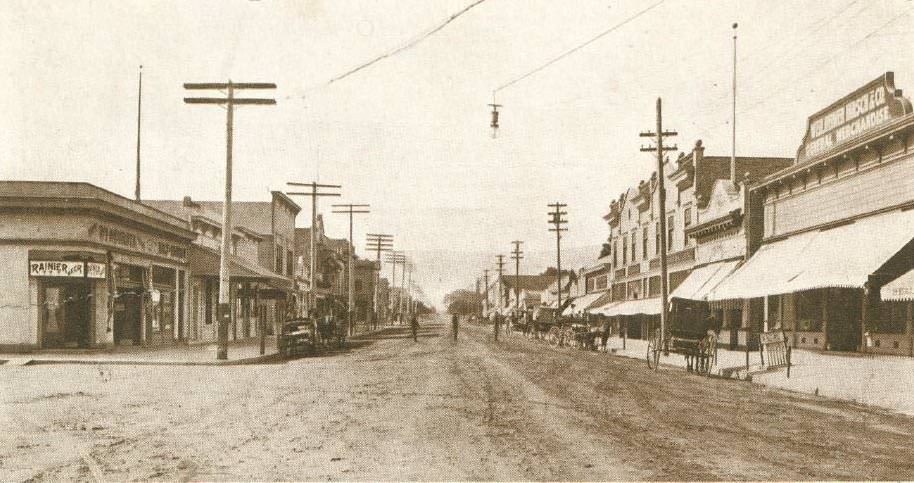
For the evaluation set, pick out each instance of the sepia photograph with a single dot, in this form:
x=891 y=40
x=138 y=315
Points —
x=456 y=240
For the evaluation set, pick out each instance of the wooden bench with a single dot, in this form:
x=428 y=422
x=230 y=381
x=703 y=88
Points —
x=774 y=350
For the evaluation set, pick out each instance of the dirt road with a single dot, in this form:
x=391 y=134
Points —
x=392 y=409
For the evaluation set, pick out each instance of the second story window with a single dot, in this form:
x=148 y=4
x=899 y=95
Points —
x=634 y=244
x=670 y=227
x=687 y=217
x=644 y=242
x=624 y=250
x=657 y=238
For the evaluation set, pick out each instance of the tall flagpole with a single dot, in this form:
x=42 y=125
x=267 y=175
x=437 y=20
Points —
x=139 y=111
x=733 y=120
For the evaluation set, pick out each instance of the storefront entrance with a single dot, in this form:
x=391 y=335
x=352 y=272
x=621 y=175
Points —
x=844 y=319
x=128 y=305
x=66 y=315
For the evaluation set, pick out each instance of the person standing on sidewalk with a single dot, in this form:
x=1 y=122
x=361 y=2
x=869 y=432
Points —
x=455 y=321
x=414 y=327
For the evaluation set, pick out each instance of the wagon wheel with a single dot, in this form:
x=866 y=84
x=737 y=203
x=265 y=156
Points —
x=707 y=350
x=653 y=351
x=554 y=337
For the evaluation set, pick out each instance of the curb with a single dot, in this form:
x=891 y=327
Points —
x=264 y=359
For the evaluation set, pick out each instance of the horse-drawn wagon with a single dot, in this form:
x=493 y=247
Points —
x=691 y=333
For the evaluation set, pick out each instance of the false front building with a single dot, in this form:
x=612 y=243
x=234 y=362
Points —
x=84 y=267
x=828 y=234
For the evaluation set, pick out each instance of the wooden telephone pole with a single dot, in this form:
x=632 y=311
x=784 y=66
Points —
x=517 y=255
x=485 y=307
x=378 y=242
x=501 y=288
x=350 y=209
x=229 y=102
x=394 y=258
x=557 y=221
x=658 y=135
x=315 y=193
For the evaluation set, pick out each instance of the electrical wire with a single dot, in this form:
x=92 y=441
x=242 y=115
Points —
x=410 y=44
x=579 y=47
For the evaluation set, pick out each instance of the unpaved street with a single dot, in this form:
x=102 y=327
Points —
x=391 y=409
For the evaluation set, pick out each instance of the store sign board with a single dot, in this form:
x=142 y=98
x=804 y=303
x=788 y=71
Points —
x=96 y=270
x=48 y=268
x=136 y=241
x=853 y=116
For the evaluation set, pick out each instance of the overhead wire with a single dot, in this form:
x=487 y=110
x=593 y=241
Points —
x=578 y=47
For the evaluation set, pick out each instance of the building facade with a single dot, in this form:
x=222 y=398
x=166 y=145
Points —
x=827 y=234
x=84 y=267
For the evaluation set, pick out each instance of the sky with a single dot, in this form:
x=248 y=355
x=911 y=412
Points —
x=410 y=134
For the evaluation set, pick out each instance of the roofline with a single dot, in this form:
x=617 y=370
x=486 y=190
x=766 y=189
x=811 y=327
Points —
x=130 y=205
x=289 y=201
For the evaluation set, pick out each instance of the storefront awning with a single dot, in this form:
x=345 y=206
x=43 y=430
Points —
x=632 y=307
x=844 y=256
x=582 y=303
x=703 y=280
x=204 y=262
x=899 y=290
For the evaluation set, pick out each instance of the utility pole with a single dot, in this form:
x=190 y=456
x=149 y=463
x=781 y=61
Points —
x=230 y=101
x=659 y=134
x=378 y=242
x=315 y=193
x=501 y=282
x=350 y=209
x=409 y=288
x=486 y=300
x=405 y=263
x=517 y=255
x=394 y=258
x=557 y=220
x=139 y=114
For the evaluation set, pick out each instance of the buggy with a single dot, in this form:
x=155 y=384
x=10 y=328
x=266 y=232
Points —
x=690 y=333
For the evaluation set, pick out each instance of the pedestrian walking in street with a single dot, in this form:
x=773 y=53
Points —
x=414 y=327
x=455 y=321
x=497 y=325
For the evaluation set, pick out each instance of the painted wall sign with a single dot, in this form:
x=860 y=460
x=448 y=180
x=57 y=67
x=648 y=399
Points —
x=96 y=270
x=47 y=268
x=856 y=114
x=136 y=241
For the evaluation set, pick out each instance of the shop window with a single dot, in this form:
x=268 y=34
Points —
x=163 y=276
x=809 y=311
x=893 y=320
x=163 y=314
x=601 y=282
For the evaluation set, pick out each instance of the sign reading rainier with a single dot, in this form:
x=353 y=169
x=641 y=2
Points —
x=858 y=113
x=49 y=268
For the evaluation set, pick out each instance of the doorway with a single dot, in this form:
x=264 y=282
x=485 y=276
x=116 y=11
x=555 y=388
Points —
x=845 y=314
x=66 y=315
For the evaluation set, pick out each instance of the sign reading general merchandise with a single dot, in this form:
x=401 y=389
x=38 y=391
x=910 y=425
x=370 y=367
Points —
x=42 y=268
x=858 y=113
